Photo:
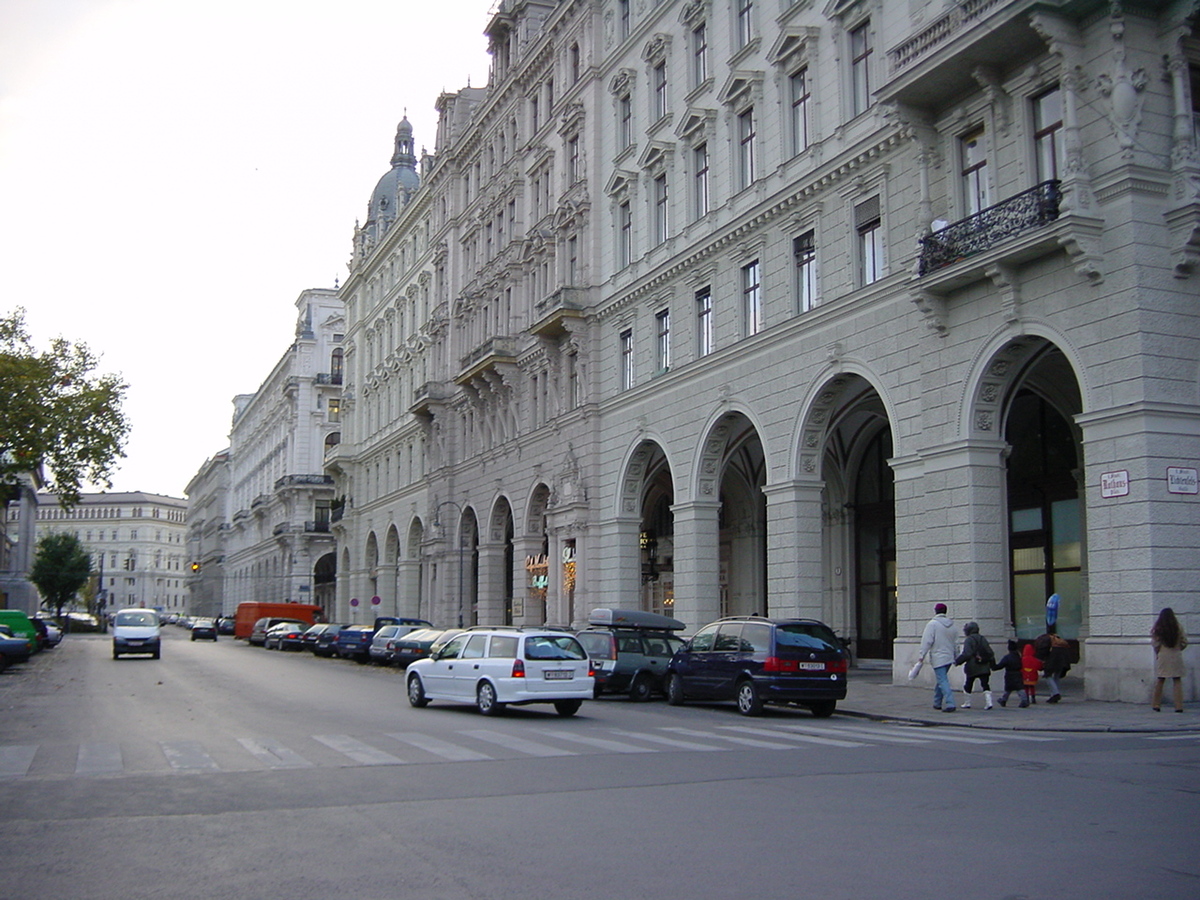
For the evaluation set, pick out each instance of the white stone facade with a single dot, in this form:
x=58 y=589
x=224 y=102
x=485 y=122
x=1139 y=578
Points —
x=833 y=309
x=259 y=520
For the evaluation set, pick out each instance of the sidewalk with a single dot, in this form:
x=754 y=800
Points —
x=871 y=695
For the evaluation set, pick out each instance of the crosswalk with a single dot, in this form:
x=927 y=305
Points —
x=518 y=740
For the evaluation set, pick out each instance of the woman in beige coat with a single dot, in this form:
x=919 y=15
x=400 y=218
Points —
x=1168 y=640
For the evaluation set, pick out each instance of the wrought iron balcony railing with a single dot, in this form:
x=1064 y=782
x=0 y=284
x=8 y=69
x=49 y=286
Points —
x=1018 y=214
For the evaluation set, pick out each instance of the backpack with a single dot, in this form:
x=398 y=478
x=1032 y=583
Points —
x=984 y=654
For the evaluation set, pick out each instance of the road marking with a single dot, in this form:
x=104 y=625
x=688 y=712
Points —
x=869 y=734
x=602 y=743
x=935 y=733
x=1175 y=737
x=748 y=742
x=669 y=742
x=188 y=756
x=274 y=755
x=515 y=743
x=361 y=753
x=806 y=738
x=99 y=758
x=16 y=759
x=438 y=747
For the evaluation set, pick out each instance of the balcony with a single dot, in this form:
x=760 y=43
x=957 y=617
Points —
x=312 y=527
x=938 y=64
x=281 y=528
x=493 y=357
x=303 y=480
x=559 y=313
x=429 y=397
x=328 y=378
x=975 y=234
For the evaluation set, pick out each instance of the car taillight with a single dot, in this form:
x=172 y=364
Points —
x=775 y=664
x=838 y=665
x=591 y=669
x=518 y=668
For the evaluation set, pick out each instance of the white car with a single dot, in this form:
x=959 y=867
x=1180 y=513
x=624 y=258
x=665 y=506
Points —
x=135 y=630
x=496 y=667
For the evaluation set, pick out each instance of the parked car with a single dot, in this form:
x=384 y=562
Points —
x=22 y=627
x=354 y=641
x=204 y=628
x=321 y=637
x=630 y=650
x=421 y=642
x=13 y=649
x=383 y=643
x=225 y=625
x=756 y=660
x=494 y=668
x=54 y=634
x=285 y=636
x=135 y=630
x=258 y=634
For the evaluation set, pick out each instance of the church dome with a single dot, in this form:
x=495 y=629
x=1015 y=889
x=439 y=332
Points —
x=400 y=182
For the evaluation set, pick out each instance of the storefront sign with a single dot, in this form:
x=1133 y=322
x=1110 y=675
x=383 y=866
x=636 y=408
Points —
x=1182 y=481
x=1114 y=484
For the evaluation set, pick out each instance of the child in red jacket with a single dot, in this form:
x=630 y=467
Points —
x=1030 y=665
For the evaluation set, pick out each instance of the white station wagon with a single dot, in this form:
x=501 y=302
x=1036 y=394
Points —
x=494 y=668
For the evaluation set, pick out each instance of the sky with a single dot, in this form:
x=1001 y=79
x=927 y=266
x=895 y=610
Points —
x=174 y=173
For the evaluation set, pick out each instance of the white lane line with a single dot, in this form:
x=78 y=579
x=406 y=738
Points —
x=669 y=742
x=515 y=743
x=438 y=747
x=1175 y=737
x=746 y=742
x=804 y=738
x=934 y=733
x=602 y=743
x=16 y=759
x=99 y=758
x=274 y=755
x=363 y=754
x=188 y=756
x=867 y=734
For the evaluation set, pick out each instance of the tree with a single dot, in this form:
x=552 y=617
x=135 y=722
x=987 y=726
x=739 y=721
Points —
x=60 y=568
x=56 y=414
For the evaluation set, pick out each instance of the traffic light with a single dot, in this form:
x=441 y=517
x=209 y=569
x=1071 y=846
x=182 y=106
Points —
x=195 y=567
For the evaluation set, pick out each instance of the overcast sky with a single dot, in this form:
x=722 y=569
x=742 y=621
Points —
x=173 y=173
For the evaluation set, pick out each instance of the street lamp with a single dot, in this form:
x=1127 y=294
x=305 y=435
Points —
x=438 y=522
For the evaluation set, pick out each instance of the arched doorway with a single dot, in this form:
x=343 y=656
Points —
x=656 y=534
x=325 y=584
x=874 y=508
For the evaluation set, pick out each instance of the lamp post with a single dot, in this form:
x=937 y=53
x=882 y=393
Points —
x=438 y=522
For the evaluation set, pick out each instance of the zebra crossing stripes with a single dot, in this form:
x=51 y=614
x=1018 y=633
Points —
x=16 y=760
x=274 y=755
x=512 y=742
x=438 y=747
x=99 y=758
x=188 y=756
x=743 y=741
x=363 y=754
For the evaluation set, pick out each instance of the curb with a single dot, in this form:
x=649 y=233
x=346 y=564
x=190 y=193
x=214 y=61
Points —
x=1081 y=729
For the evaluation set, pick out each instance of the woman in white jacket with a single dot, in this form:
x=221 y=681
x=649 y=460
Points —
x=938 y=644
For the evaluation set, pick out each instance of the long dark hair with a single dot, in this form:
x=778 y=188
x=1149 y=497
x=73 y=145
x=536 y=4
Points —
x=1166 y=629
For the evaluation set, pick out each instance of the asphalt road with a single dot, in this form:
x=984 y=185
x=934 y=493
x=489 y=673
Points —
x=223 y=770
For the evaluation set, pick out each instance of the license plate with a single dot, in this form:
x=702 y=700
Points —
x=811 y=666
x=558 y=674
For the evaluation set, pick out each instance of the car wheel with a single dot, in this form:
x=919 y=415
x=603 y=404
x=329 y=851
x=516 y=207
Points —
x=640 y=690
x=485 y=699
x=416 y=692
x=567 y=707
x=749 y=703
x=155 y=655
x=675 y=690
x=823 y=709
x=116 y=655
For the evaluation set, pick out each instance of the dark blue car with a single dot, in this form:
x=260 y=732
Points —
x=756 y=660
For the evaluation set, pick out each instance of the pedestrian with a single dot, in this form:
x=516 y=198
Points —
x=977 y=656
x=1168 y=639
x=1030 y=666
x=1010 y=662
x=938 y=643
x=1055 y=655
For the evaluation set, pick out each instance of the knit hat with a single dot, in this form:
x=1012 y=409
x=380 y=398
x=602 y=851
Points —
x=940 y=608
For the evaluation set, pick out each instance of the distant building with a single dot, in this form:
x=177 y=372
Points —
x=137 y=542
x=831 y=309
x=259 y=512
x=18 y=541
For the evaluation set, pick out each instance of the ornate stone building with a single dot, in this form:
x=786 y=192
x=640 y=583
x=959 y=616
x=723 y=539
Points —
x=816 y=308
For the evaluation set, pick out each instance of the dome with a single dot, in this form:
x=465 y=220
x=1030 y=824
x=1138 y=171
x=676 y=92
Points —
x=400 y=182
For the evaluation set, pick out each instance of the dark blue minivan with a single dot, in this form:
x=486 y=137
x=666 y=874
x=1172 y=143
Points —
x=756 y=660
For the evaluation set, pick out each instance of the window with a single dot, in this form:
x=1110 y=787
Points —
x=745 y=21
x=534 y=115
x=751 y=299
x=624 y=121
x=626 y=359
x=663 y=346
x=574 y=63
x=804 y=250
x=700 y=161
x=868 y=223
x=704 y=328
x=622 y=19
x=800 y=103
x=572 y=260
x=699 y=54
x=335 y=410
x=573 y=159
x=659 y=80
x=973 y=155
x=625 y=234
x=860 y=72
x=660 y=209
x=746 y=148
x=1047 y=125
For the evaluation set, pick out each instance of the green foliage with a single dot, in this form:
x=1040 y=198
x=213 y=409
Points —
x=60 y=568
x=55 y=413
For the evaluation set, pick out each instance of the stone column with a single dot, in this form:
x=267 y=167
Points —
x=795 y=585
x=697 y=562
